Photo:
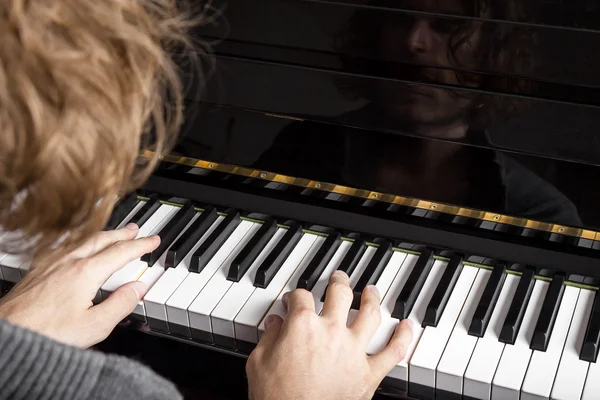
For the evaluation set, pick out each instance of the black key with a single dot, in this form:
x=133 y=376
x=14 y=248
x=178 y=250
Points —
x=170 y=232
x=317 y=265
x=591 y=340
x=213 y=243
x=144 y=213
x=545 y=323
x=513 y=320
x=271 y=264
x=121 y=210
x=408 y=296
x=373 y=271
x=442 y=293
x=353 y=256
x=488 y=300
x=190 y=237
x=248 y=255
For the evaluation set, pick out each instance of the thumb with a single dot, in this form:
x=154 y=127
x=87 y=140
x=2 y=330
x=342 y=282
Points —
x=273 y=325
x=120 y=303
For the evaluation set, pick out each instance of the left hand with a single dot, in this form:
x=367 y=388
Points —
x=56 y=300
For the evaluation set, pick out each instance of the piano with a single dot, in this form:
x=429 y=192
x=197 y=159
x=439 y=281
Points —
x=444 y=150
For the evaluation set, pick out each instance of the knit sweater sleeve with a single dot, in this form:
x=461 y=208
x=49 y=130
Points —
x=35 y=367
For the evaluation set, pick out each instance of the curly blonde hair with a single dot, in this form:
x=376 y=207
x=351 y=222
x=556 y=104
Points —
x=85 y=85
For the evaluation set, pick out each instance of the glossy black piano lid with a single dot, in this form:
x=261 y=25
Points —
x=493 y=105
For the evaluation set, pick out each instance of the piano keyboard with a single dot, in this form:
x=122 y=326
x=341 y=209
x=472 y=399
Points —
x=481 y=330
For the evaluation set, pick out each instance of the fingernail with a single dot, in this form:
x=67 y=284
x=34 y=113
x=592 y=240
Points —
x=131 y=226
x=340 y=274
x=374 y=289
x=410 y=323
x=269 y=321
x=140 y=288
x=284 y=299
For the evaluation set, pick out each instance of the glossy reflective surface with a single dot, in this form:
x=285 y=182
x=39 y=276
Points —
x=493 y=105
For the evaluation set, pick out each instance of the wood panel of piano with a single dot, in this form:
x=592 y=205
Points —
x=446 y=151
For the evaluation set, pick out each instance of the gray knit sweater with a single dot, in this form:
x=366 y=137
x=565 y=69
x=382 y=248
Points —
x=35 y=367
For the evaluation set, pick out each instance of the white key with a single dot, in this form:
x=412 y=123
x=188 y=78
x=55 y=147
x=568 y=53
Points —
x=223 y=315
x=544 y=365
x=384 y=332
x=156 y=298
x=185 y=294
x=417 y=315
x=10 y=266
x=455 y=359
x=277 y=307
x=428 y=353
x=247 y=321
x=24 y=268
x=214 y=290
x=385 y=280
x=133 y=270
x=485 y=358
x=155 y=272
x=515 y=358
x=572 y=371
x=134 y=211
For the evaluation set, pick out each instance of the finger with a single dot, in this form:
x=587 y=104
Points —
x=118 y=305
x=338 y=298
x=273 y=324
x=368 y=318
x=117 y=255
x=297 y=301
x=102 y=240
x=395 y=351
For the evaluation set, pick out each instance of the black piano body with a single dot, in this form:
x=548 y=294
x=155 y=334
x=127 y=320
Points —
x=464 y=127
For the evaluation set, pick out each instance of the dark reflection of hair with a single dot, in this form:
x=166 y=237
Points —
x=503 y=60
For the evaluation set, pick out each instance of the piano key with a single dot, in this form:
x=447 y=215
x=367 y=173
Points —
x=250 y=316
x=400 y=371
x=316 y=266
x=191 y=236
x=229 y=306
x=488 y=350
x=354 y=255
x=513 y=321
x=271 y=265
x=194 y=282
x=156 y=298
x=203 y=255
x=214 y=290
x=131 y=214
x=122 y=209
x=24 y=268
x=545 y=324
x=591 y=341
x=443 y=292
x=170 y=231
x=358 y=270
x=10 y=266
x=427 y=355
x=592 y=382
x=544 y=364
x=460 y=346
x=515 y=358
x=488 y=301
x=570 y=378
x=407 y=298
x=255 y=246
x=133 y=270
x=374 y=269
x=146 y=211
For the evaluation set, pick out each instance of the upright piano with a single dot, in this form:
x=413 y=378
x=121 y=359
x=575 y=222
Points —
x=446 y=151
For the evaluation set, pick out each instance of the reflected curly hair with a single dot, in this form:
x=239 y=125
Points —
x=85 y=85
x=505 y=53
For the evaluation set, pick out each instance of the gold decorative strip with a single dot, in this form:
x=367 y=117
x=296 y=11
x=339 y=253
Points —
x=382 y=197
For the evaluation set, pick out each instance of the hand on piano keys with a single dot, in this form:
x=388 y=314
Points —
x=56 y=301
x=317 y=356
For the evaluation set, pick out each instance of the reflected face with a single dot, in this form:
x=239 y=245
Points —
x=425 y=42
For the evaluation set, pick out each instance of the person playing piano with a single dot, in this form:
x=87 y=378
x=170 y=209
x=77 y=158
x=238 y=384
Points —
x=81 y=84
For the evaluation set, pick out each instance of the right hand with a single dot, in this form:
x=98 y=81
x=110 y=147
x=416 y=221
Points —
x=310 y=356
x=56 y=300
